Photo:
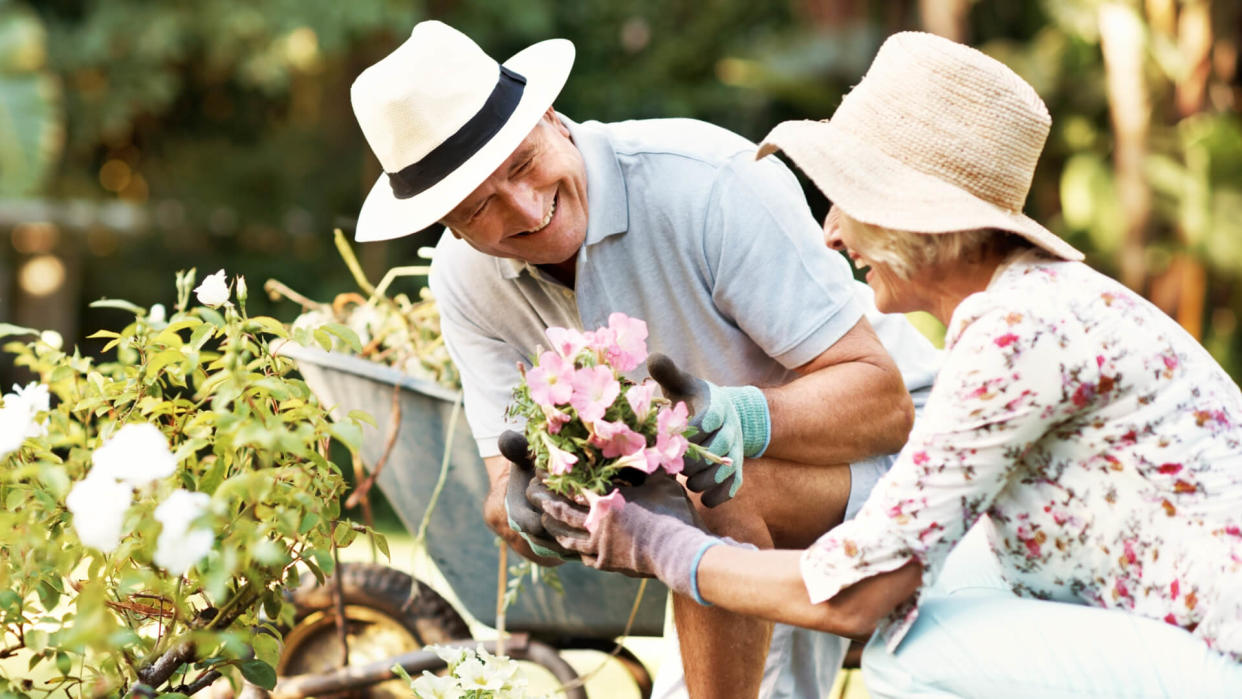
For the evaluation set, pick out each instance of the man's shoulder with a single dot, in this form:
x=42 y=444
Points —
x=458 y=270
x=691 y=139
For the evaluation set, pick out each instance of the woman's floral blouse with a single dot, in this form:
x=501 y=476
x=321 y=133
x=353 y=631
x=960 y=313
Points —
x=1102 y=441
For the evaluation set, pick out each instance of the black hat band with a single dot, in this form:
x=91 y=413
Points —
x=457 y=149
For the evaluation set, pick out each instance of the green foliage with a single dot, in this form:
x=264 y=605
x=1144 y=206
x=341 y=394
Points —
x=30 y=117
x=244 y=430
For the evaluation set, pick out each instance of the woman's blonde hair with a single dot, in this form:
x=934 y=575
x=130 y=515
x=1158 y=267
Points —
x=905 y=252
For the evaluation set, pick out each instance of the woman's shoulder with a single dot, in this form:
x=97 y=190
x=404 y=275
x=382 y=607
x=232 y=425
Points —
x=1037 y=290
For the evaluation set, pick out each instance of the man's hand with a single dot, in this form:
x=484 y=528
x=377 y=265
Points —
x=733 y=422
x=523 y=516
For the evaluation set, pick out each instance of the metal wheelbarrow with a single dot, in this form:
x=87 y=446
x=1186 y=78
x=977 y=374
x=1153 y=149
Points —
x=384 y=603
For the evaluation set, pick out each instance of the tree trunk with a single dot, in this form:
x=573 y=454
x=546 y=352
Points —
x=945 y=17
x=1122 y=41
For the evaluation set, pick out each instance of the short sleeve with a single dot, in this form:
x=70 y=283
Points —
x=772 y=272
x=1000 y=390
x=488 y=369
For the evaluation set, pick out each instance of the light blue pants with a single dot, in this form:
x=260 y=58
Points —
x=975 y=638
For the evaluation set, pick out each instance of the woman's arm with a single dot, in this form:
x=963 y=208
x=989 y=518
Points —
x=768 y=584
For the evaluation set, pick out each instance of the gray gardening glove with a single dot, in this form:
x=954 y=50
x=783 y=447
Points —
x=733 y=422
x=654 y=534
x=523 y=516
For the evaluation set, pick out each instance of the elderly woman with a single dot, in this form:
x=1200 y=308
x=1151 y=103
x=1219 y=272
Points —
x=1098 y=446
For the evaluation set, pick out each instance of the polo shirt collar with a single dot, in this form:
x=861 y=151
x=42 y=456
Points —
x=607 y=206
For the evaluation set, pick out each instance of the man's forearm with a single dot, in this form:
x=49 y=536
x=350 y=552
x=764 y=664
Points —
x=840 y=414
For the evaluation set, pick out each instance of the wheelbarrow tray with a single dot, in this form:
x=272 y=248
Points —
x=594 y=605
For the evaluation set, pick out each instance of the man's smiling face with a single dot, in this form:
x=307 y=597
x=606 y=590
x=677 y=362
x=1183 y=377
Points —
x=534 y=206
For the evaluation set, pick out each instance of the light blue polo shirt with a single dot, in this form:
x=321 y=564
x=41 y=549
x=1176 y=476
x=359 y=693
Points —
x=717 y=252
x=720 y=256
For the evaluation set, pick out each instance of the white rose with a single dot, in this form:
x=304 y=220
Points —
x=98 y=504
x=15 y=422
x=29 y=401
x=157 y=317
x=137 y=454
x=214 y=290
x=178 y=547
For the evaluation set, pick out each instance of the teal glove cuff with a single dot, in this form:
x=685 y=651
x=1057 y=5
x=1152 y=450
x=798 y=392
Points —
x=694 y=571
x=752 y=409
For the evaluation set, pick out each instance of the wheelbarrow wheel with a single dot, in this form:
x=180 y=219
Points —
x=387 y=613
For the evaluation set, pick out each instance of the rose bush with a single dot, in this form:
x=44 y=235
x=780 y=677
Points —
x=155 y=504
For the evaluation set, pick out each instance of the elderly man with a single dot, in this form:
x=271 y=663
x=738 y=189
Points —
x=557 y=223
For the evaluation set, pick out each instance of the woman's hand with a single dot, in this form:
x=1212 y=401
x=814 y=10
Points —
x=654 y=534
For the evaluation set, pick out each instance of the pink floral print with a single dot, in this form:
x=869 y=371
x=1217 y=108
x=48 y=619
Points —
x=1101 y=444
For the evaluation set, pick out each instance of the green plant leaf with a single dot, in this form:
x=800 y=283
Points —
x=346 y=334
x=121 y=304
x=259 y=673
x=266 y=648
x=7 y=329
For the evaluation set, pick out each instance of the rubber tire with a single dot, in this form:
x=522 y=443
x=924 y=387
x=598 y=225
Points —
x=387 y=590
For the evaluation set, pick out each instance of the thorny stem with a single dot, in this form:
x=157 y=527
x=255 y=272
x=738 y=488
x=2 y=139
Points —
x=276 y=289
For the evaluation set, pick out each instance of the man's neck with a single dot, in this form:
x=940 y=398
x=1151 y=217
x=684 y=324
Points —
x=563 y=272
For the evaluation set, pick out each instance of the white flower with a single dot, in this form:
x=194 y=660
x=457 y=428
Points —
x=505 y=670
x=137 y=454
x=21 y=406
x=52 y=339
x=157 y=317
x=214 y=290
x=474 y=675
x=429 y=686
x=34 y=396
x=15 y=422
x=451 y=655
x=98 y=504
x=179 y=547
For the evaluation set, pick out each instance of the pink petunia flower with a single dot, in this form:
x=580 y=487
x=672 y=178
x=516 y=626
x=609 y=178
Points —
x=645 y=460
x=639 y=397
x=560 y=461
x=616 y=438
x=601 y=340
x=670 y=448
x=672 y=420
x=555 y=418
x=567 y=342
x=594 y=391
x=600 y=506
x=551 y=383
x=628 y=347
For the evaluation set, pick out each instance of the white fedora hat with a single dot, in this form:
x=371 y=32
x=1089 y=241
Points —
x=937 y=137
x=441 y=115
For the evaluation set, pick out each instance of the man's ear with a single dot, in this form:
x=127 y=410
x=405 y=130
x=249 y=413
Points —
x=555 y=122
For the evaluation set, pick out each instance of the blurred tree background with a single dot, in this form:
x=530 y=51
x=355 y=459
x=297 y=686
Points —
x=138 y=138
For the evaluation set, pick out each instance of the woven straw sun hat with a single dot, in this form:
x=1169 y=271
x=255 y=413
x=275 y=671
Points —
x=937 y=137
x=441 y=115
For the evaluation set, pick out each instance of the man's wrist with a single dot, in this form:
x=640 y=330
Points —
x=752 y=410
